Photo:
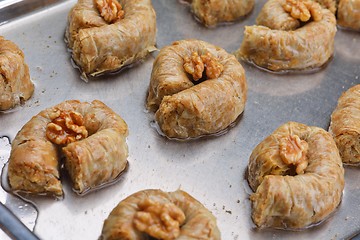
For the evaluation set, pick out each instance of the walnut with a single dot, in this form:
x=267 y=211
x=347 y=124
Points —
x=293 y=151
x=303 y=10
x=195 y=65
x=213 y=67
x=159 y=220
x=110 y=10
x=65 y=127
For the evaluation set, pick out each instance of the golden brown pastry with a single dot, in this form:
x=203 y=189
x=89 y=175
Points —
x=154 y=214
x=349 y=14
x=15 y=84
x=212 y=12
x=196 y=88
x=329 y=4
x=106 y=35
x=297 y=176
x=345 y=125
x=288 y=38
x=91 y=137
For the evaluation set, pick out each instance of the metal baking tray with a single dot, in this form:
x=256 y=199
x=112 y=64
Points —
x=210 y=169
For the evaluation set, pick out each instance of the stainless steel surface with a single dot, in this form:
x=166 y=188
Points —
x=14 y=227
x=211 y=169
x=10 y=9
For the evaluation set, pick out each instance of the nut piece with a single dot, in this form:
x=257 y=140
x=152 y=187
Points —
x=159 y=220
x=213 y=67
x=293 y=151
x=303 y=10
x=110 y=10
x=65 y=127
x=196 y=64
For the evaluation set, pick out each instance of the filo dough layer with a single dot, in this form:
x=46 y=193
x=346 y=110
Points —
x=34 y=160
x=284 y=200
x=184 y=109
x=15 y=83
x=279 y=42
x=349 y=14
x=199 y=222
x=345 y=126
x=212 y=12
x=98 y=46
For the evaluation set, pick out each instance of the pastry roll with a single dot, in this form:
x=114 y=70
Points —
x=15 y=84
x=297 y=176
x=106 y=35
x=345 y=126
x=196 y=88
x=290 y=35
x=154 y=214
x=90 y=136
x=349 y=14
x=213 y=12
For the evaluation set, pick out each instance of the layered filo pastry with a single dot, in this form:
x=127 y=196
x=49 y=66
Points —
x=154 y=214
x=290 y=35
x=348 y=14
x=212 y=12
x=297 y=177
x=15 y=83
x=196 y=89
x=106 y=35
x=90 y=136
x=345 y=126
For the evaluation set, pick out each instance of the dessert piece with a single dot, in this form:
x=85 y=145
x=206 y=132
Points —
x=15 y=84
x=154 y=214
x=349 y=14
x=91 y=137
x=290 y=35
x=213 y=12
x=297 y=176
x=106 y=35
x=196 y=89
x=345 y=126
x=329 y=4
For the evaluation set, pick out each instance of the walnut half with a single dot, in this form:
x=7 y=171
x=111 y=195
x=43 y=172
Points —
x=159 y=220
x=195 y=65
x=293 y=151
x=110 y=10
x=303 y=10
x=65 y=127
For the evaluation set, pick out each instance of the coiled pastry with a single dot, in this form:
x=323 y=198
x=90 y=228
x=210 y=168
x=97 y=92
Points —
x=345 y=125
x=106 y=36
x=349 y=14
x=196 y=89
x=90 y=136
x=212 y=12
x=290 y=35
x=297 y=176
x=15 y=83
x=154 y=214
x=329 y=4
